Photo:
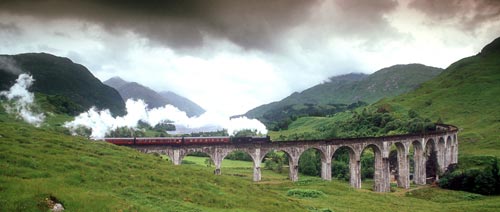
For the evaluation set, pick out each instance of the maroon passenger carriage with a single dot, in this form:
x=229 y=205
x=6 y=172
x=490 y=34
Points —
x=206 y=140
x=185 y=140
x=145 y=141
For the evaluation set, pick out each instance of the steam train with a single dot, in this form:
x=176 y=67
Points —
x=186 y=140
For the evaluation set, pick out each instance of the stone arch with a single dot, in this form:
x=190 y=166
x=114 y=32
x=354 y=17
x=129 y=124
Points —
x=213 y=155
x=381 y=175
x=187 y=151
x=168 y=154
x=402 y=174
x=448 y=152
x=293 y=161
x=418 y=162
x=432 y=161
x=229 y=151
x=255 y=161
x=441 y=154
x=354 y=165
x=325 y=166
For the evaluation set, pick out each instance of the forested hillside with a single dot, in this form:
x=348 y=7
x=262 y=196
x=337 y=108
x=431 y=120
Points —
x=61 y=81
x=343 y=92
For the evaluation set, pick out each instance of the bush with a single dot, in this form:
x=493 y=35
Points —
x=239 y=155
x=274 y=161
x=305 y=193
x=340 y=170
x=483 y=181
x=310 y=163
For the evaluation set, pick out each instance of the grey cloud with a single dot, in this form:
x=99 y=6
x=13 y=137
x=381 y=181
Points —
x=180 y=24
x=471 y=14
x=10 y=28
x=185 y=24
x=360 y=16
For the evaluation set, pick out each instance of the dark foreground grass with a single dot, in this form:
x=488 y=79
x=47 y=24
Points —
x=84 y=175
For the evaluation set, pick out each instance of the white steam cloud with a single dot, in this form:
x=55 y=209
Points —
x=22 y=100
x=101 y=122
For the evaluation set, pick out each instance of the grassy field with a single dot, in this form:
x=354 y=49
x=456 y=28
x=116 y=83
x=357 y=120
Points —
x=84 y=175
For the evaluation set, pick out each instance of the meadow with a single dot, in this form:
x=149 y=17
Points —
x=85 y=175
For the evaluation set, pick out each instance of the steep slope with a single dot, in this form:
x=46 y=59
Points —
x=466 y=94
x=343 y=82
x=191 y=108
x=344 y=92
x=133 y=90
x=58 y=76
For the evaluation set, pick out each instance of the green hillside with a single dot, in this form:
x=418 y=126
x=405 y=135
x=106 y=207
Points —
x=62 y=80
x=339 y=92
x=343 y=82
x=39 y=165
x=466 y=94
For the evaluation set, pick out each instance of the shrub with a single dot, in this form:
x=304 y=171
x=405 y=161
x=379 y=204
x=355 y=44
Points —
x=305 y=193
x=310 y=163
x=483 y=181
x=239 y=155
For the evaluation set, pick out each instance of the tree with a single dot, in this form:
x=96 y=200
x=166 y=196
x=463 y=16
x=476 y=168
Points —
x=274 y=161
x=310 y=163
x=245 y=133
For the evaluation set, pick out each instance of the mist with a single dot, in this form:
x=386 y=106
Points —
x=102 y=122
x=22 y=102
x=8 y=64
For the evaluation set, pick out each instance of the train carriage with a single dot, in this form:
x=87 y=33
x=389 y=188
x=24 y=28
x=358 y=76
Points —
x=185 y=140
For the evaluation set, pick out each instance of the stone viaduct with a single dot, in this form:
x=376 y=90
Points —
x=444 y=142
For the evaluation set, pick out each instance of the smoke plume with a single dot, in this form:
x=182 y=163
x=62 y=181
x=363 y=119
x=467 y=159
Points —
x=101 y=122
x=22 y=101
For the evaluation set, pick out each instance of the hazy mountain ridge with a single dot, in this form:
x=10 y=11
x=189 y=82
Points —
x=354 y=87
x=191 y=108
x=154 y=99
x=336 y=82
x=59 y=76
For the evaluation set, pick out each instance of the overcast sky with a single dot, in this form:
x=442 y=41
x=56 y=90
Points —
x=230 y=56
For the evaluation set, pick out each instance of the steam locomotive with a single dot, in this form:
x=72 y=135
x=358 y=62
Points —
x=186 y=140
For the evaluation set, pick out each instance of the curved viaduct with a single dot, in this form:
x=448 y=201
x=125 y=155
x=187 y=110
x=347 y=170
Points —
x=444 y=142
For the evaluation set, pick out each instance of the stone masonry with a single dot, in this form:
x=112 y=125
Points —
x=444 y=142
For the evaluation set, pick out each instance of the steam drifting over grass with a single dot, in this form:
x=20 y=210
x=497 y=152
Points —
x=21 y=101
x=101 y=122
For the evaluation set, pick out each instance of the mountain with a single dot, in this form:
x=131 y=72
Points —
x=135 y=90
x=348 y=89
x=466 y=94
x=59 y=78
x=342 y=82
x=191 y=108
